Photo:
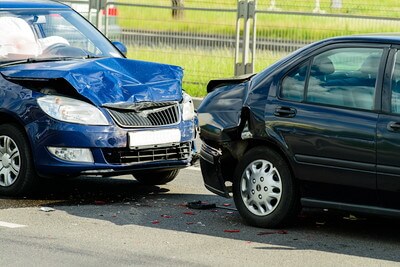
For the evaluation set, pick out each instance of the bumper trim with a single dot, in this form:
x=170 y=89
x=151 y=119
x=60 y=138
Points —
x=209 y=153
x=211 y=171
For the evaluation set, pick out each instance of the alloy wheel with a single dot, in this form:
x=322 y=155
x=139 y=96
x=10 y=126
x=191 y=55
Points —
x=261 y=187
x=10 y=161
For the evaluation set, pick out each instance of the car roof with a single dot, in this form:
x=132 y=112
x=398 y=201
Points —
x=384 y=38
x=18 y=4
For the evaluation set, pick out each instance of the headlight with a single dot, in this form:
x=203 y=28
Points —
x=71 y=110
x=187 y=107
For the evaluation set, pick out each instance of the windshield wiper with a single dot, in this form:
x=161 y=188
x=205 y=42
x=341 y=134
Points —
x=46 y=59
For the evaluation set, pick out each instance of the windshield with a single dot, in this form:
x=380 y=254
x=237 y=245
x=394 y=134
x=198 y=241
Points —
x=45 y=34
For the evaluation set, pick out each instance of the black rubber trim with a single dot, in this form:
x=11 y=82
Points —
x=315 y=203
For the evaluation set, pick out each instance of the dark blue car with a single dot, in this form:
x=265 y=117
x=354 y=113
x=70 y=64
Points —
x=320 y=128
x=71 y=104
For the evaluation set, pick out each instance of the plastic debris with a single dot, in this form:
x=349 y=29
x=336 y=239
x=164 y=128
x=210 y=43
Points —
x=232 y=231
x=46 y=209
x=189 y=213
x=199 y=205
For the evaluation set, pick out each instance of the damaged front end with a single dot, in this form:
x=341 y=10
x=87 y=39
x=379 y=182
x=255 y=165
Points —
x=223 y=121
x=147 y=122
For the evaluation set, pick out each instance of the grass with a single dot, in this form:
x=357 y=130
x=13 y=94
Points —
x=278 y=26
x=200 y=65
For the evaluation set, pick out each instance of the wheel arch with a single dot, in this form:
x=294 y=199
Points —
x=7 y=118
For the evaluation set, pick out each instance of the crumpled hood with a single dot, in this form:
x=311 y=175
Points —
x=109 y=80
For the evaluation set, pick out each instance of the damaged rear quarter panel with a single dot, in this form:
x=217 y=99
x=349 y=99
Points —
x=220 y=112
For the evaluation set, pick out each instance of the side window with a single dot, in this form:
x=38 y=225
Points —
x=396 y=85
x=293 y=83
x=345 y=77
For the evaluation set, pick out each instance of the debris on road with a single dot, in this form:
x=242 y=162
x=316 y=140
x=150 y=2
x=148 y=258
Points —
x=232 y=231
x=199 y=205
x=46 y=209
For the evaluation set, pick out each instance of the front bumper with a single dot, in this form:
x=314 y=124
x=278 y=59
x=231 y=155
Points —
x=211 y=170
x=109 y=147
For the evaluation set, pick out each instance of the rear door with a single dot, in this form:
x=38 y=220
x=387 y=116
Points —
x=326 y=113
x=388 y=135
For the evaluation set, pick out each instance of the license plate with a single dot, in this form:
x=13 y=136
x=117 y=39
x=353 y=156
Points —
x=155 y=137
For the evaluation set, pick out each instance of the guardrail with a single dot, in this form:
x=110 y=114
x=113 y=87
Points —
x=219 y=41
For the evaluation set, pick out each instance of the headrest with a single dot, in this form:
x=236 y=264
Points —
x=322 y=66
x=371 y=64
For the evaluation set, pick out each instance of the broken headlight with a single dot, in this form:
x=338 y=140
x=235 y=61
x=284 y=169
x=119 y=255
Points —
x=187 y=107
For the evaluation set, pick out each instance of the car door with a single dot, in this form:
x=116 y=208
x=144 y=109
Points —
x=326 y=112
x=388 y=135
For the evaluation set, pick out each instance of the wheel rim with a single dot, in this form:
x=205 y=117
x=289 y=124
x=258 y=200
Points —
x=10 y=161
x=261 y=187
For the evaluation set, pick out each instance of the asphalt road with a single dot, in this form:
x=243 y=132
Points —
x=118 y=222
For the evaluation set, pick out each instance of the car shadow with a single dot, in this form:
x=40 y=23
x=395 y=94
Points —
x=126 y=202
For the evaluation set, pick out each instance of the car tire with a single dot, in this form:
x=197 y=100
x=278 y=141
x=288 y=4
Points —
x=156 y=177
x=264 y=190
x=17 y=174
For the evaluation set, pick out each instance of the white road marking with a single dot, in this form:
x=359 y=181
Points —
x=11 y=225
x=193 y=168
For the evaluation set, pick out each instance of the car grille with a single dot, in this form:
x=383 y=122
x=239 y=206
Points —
x=159 y=116
x=124 y=156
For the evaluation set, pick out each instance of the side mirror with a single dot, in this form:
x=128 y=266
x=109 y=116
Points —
x=121 y=47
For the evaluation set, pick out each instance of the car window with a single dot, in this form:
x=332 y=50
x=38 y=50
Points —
x=292 y=87
x=34 y=33
x=396 y=86
x=345 y=77
x=57 y=25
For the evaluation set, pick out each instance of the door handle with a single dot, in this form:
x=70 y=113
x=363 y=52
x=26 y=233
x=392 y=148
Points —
x=286 y=112
x=394 y=125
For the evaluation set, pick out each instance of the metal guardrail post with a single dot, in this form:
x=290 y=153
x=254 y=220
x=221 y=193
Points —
x=246 y=10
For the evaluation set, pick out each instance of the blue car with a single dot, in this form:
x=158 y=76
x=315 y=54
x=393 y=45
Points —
x=71 y=104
